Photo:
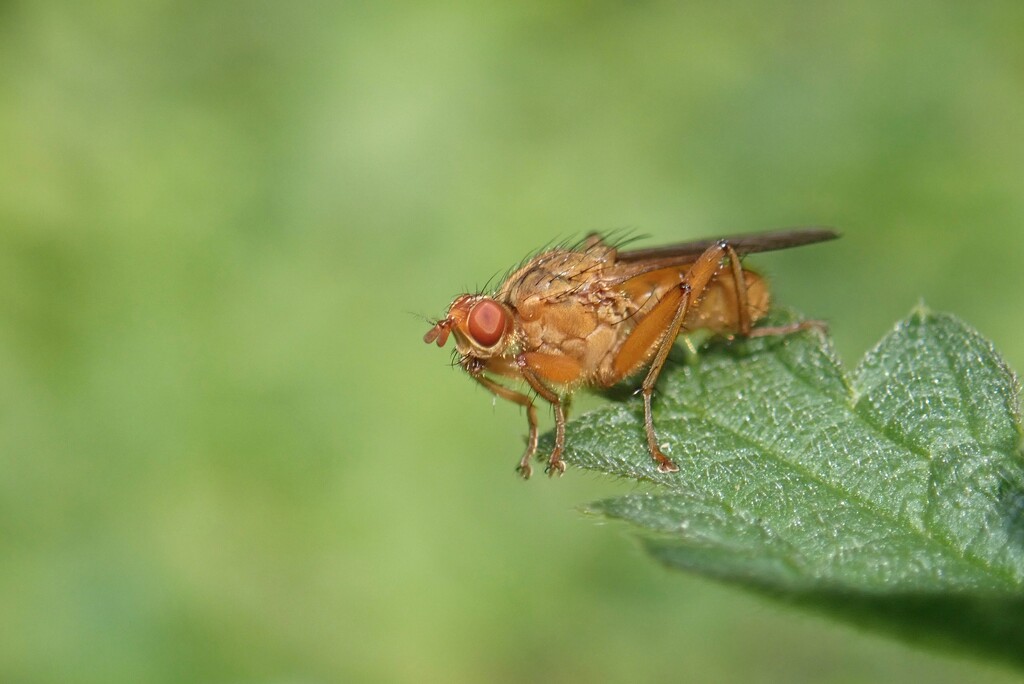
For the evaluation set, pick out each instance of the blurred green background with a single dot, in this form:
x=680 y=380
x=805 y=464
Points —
x=226 y=455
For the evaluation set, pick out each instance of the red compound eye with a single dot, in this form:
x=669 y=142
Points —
x=487 y=322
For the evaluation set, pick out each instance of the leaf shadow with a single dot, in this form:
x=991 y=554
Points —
x=991 y=626
x=1010 y=503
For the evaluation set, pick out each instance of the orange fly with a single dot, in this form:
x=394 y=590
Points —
x=591 y=315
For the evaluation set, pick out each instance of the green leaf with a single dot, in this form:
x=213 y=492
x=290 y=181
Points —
x=892 y=497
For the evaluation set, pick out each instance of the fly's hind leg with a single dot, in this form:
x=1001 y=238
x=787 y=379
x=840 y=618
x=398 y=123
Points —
x=659 y=327
x=665 y=464
x=659 y=330
x=777 y=330
x=743 y=306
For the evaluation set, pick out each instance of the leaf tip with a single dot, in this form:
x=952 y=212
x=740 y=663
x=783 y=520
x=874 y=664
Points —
x=921 y=311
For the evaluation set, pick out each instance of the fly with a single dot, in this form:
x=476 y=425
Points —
x=590 y=316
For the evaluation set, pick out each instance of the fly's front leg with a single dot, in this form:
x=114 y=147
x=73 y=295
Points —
x=555 y=463
x=524 y=467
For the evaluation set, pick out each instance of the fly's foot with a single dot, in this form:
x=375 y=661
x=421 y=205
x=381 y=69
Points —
x=556 y=466
x=818 y=326
x=525 y=470
x=781 y=330
x=665 y=464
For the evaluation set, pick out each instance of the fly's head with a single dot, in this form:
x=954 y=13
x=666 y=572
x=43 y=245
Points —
x=482 y=328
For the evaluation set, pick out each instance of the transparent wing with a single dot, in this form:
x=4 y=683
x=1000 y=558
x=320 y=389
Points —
x=686 y=252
